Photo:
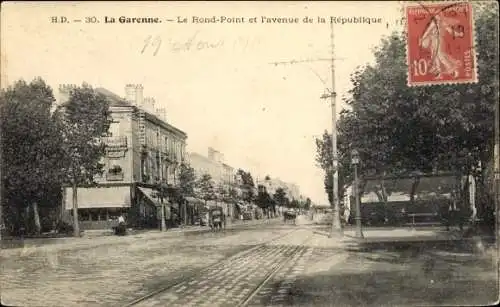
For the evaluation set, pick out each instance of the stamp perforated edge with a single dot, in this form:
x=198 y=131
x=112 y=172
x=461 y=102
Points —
x=474 y=52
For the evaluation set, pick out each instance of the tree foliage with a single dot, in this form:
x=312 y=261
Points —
x=187 y=180
x=307 y=204
x=263 y=199
x=247 y=185
x=205 y=186
x=400 y=130
x=222 y=192
x=324 y=161
x=31 y=152
x=280 y=197
x=232 y=194
x=84 y=119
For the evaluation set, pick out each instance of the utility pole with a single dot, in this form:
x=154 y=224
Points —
x=336 y=224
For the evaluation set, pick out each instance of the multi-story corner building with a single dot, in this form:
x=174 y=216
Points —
x=143 y=151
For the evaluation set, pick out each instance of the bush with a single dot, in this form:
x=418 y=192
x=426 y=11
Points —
x=64 y=227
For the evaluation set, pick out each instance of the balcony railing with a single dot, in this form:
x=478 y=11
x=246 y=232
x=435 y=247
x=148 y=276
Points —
x=115 y=141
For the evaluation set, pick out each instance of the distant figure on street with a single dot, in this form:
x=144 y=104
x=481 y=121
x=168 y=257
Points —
x=121 y=219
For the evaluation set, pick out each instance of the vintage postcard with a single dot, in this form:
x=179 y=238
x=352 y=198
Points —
x=340 y=153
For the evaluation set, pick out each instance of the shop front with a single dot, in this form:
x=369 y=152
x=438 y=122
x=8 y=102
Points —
x=193 y=211
x=148 y=208
x=98 y=207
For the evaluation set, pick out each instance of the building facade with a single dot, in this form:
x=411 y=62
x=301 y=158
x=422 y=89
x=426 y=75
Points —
x=223 y=175
x=143 y=153
x=291 y=190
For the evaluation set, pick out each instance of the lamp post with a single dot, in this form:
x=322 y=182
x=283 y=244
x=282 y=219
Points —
x=160 y=195
x=355 y=162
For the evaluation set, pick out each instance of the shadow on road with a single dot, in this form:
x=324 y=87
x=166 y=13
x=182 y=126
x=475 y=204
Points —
x=434 y=273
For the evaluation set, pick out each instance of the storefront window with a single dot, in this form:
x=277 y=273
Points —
x=94 y=214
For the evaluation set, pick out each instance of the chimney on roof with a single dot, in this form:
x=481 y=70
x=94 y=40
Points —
x=134 y=94
x=146 y=104
x=130 y=93
x=152 y=105
x=162 y=114
x=139 y=94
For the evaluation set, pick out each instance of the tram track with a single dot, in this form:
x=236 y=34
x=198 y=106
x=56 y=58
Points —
x=239 y=257
x=297 y=251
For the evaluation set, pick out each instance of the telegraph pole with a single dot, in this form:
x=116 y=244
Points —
x=336 y=224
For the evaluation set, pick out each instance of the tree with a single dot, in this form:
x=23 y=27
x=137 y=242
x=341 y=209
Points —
x=84 y=120
x=307 y=204
x=280 y=197
x=221 y=192
x=233 y=194
x=187 y=180
x=263 y=199
x=324 y=161
x=205 y=186
x=247 y=185
x=30 y=151
x=399 y=130
x=293 y=203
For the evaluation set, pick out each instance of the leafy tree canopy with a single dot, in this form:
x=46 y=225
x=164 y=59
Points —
x=399 y=129
x=206 y=188
x=187 y=180
x=84 y=119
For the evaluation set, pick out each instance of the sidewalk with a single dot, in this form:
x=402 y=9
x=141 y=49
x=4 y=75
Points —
x=391 y=235
x=104 y=237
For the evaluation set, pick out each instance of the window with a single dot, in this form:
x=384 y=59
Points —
x=115 y=170
x=114 y=129
x=143 y=169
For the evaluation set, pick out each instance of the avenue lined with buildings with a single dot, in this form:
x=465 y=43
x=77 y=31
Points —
x=145 y=154
x=111 y=198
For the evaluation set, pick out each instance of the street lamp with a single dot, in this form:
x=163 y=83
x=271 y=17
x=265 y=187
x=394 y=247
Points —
x=355 y=162
x=160 y=195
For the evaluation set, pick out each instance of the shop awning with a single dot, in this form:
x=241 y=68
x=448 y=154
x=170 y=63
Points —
x=148 y=193
x=99 y=197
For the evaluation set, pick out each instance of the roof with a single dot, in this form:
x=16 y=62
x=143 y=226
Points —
x=155 y=119
x=114 y=99
x=435 y=185
x=117 y=101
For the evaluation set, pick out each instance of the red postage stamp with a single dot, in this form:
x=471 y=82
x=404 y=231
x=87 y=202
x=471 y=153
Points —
x=440 y=43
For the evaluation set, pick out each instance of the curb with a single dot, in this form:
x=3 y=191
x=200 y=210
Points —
x=60 y=244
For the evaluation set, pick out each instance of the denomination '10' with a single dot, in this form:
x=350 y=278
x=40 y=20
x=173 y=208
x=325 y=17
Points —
x=419 y=67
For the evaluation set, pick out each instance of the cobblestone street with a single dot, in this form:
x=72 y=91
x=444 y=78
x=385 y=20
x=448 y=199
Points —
x=266 y=265
x=115 y=274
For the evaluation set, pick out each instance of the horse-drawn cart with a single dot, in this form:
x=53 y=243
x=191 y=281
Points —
x=216 y=219
x=291 y=216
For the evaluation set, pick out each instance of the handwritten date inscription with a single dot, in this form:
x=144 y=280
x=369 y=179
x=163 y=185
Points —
x=153 y=44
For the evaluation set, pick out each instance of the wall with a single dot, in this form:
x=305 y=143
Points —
x=136 y=149
x=118 y=153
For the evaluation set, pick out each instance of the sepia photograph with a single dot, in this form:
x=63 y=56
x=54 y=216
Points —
x=238 y=153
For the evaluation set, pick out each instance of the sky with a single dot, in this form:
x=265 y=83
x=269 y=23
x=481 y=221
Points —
x=216 y=80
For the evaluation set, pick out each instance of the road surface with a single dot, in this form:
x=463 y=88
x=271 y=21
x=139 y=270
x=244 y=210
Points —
x=263 y=265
